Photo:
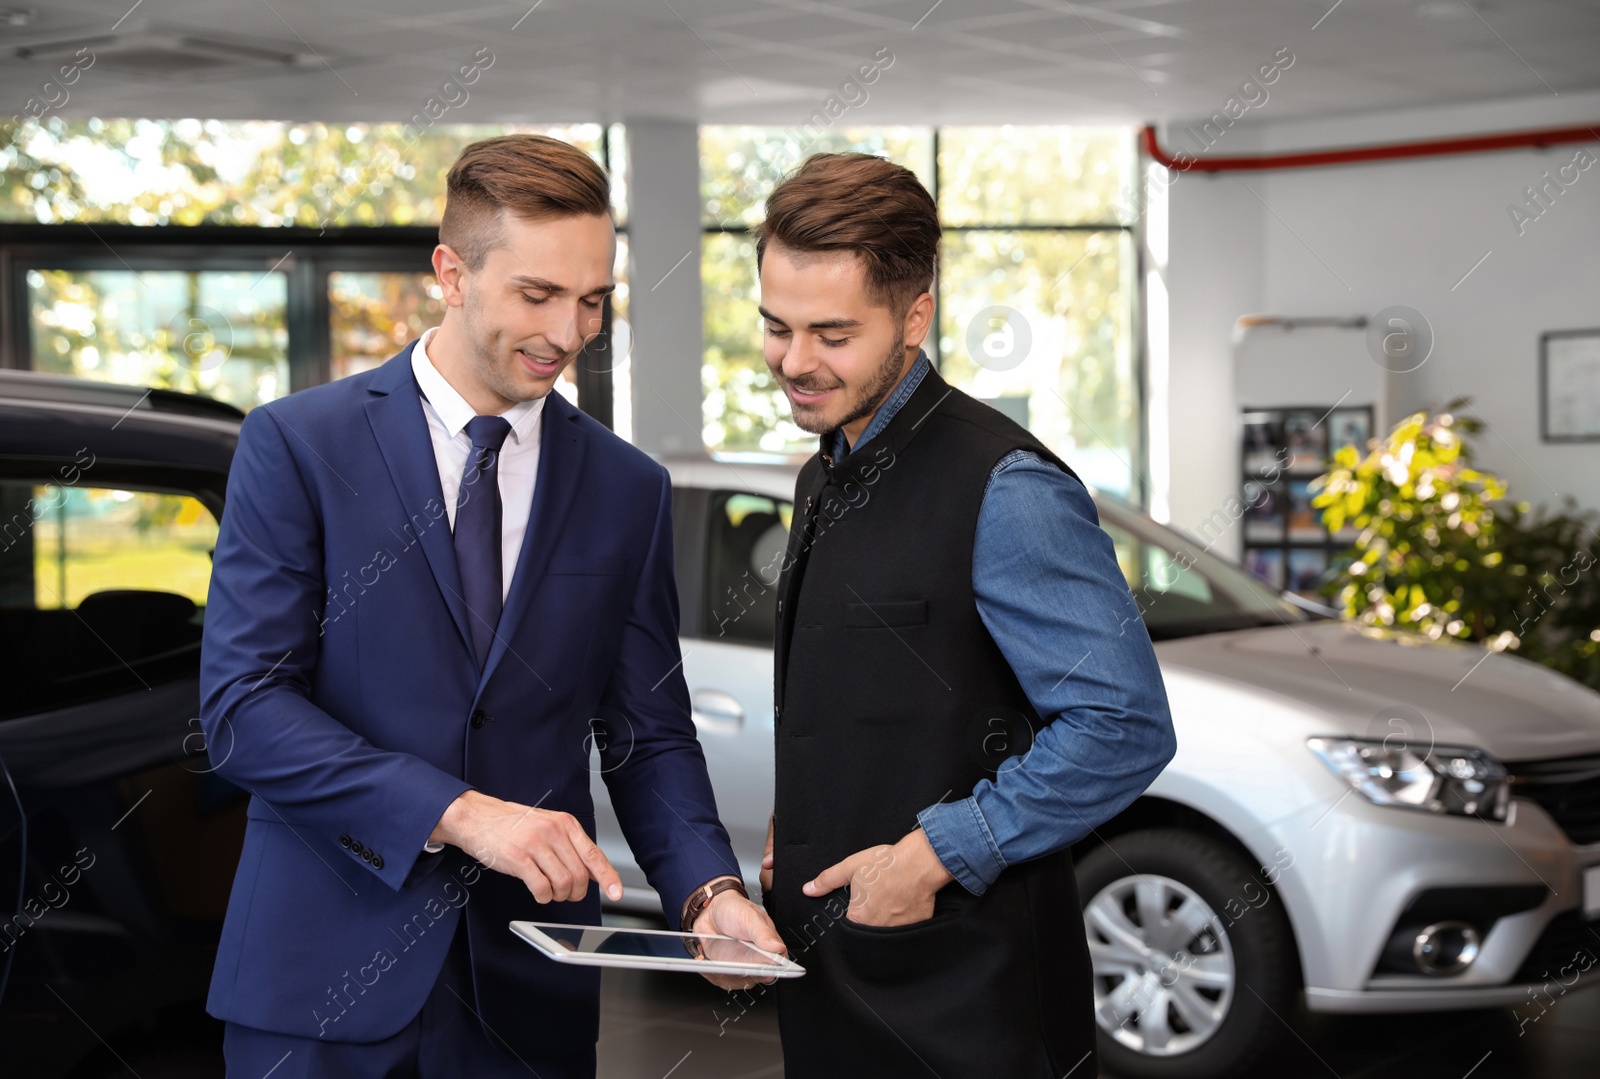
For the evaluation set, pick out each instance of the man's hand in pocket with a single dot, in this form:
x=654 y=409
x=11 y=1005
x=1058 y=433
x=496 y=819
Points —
x=889 y=885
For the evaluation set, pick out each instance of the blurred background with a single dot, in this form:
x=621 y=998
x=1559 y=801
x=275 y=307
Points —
x=1313 y=284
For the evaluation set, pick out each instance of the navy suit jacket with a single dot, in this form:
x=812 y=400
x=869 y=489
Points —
x=339 y=687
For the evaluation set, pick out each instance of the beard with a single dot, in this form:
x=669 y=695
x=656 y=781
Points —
x=861 y=402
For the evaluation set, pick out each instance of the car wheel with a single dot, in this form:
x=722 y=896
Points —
x=1192 y=956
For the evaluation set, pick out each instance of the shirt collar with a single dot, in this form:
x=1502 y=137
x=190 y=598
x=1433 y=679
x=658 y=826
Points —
x=452 y=408
x=892 y=404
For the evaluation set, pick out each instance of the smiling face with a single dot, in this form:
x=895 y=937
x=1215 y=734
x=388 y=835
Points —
x=513 y=325
x=836 y=351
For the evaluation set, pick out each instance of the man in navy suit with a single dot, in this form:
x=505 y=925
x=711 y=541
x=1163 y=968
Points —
x=437 y=587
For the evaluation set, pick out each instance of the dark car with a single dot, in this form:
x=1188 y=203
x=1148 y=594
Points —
x=117 y=841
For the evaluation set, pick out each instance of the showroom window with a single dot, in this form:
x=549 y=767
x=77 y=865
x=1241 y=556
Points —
x=1036 y=293
x=267 y=173
x=217 y=332
x=247 y=259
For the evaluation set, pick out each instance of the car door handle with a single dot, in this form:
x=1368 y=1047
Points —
x=717 y=712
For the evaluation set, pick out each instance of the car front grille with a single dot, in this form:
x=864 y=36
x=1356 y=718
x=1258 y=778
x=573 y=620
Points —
x=1569 y=945
x=1567 y=789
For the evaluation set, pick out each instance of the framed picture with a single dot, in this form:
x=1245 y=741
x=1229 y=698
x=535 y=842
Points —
x=1263 y=443
x=1569 y=386
x=1305 y=520
x=1305 y=570
x=1264 y=507
x=1266 y=565
x=1350 y=427
x=1306 y=439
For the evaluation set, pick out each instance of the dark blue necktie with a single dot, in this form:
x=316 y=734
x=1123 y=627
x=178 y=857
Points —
x=477 y=533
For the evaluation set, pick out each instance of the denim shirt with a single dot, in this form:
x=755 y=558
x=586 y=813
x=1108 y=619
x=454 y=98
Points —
x=1051 y=594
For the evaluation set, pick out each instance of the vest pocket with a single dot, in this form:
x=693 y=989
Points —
x=898 y=612
x=899 y=954
x=893 y=930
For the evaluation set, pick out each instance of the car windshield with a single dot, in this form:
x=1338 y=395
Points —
x=1182 y=589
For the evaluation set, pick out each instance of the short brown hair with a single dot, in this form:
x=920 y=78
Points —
x=532 y=176
x=864 y=204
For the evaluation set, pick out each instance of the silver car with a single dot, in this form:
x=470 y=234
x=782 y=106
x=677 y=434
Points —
x=1354 y=821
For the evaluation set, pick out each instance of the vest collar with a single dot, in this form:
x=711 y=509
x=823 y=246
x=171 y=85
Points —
x=894 y=437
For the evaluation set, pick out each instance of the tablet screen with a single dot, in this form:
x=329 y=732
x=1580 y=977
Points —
x=634 y=943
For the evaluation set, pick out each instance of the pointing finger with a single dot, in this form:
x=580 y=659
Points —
x=835 y=876
x=599 y=866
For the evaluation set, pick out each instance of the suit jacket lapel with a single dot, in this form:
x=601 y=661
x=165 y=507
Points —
x=561 y=452
x=395 y=412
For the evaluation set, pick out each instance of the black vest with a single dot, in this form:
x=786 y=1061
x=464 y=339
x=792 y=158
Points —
x=890 y=695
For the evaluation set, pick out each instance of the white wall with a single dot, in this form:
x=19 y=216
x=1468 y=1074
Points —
x=1355 y=239
x=1212 y=275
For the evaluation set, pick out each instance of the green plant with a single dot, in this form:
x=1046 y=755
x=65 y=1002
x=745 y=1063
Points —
x=1443 y=552
x=1558 y=608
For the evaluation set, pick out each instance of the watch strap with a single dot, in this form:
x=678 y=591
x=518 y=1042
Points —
x=701 y=898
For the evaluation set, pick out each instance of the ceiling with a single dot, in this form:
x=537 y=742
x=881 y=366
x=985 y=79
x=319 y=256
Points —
x=776 y=61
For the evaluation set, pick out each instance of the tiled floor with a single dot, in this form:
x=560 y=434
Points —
x=653 y=1026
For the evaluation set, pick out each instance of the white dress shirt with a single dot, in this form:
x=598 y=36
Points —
x=448 y=413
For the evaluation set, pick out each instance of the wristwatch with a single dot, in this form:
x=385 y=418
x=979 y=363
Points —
x=701 y=898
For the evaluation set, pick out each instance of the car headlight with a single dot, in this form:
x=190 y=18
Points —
x=1449 y=779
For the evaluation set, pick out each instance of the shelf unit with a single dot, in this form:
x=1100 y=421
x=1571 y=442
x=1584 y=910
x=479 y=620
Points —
x=1284 y=449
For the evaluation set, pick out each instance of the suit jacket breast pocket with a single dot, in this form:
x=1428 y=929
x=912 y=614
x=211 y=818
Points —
x=878 y=614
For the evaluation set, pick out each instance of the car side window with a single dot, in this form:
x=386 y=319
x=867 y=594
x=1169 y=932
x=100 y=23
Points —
x=102 y=590
x=745 y=544
x=1130 y=554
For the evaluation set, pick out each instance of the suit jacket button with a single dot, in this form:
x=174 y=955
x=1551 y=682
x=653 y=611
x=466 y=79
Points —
x=478 y=718
x=377 y=861
x=366 y=855
x=344 y=841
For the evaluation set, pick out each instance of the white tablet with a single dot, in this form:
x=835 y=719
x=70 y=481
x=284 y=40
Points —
x=653 y=949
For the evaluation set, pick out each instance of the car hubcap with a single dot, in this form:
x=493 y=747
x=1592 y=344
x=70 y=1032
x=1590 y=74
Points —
x=1163 y=966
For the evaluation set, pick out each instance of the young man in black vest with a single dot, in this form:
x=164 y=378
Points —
x=963 y=685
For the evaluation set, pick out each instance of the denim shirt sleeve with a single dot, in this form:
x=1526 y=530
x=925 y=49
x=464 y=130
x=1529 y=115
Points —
x=1052 y=596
